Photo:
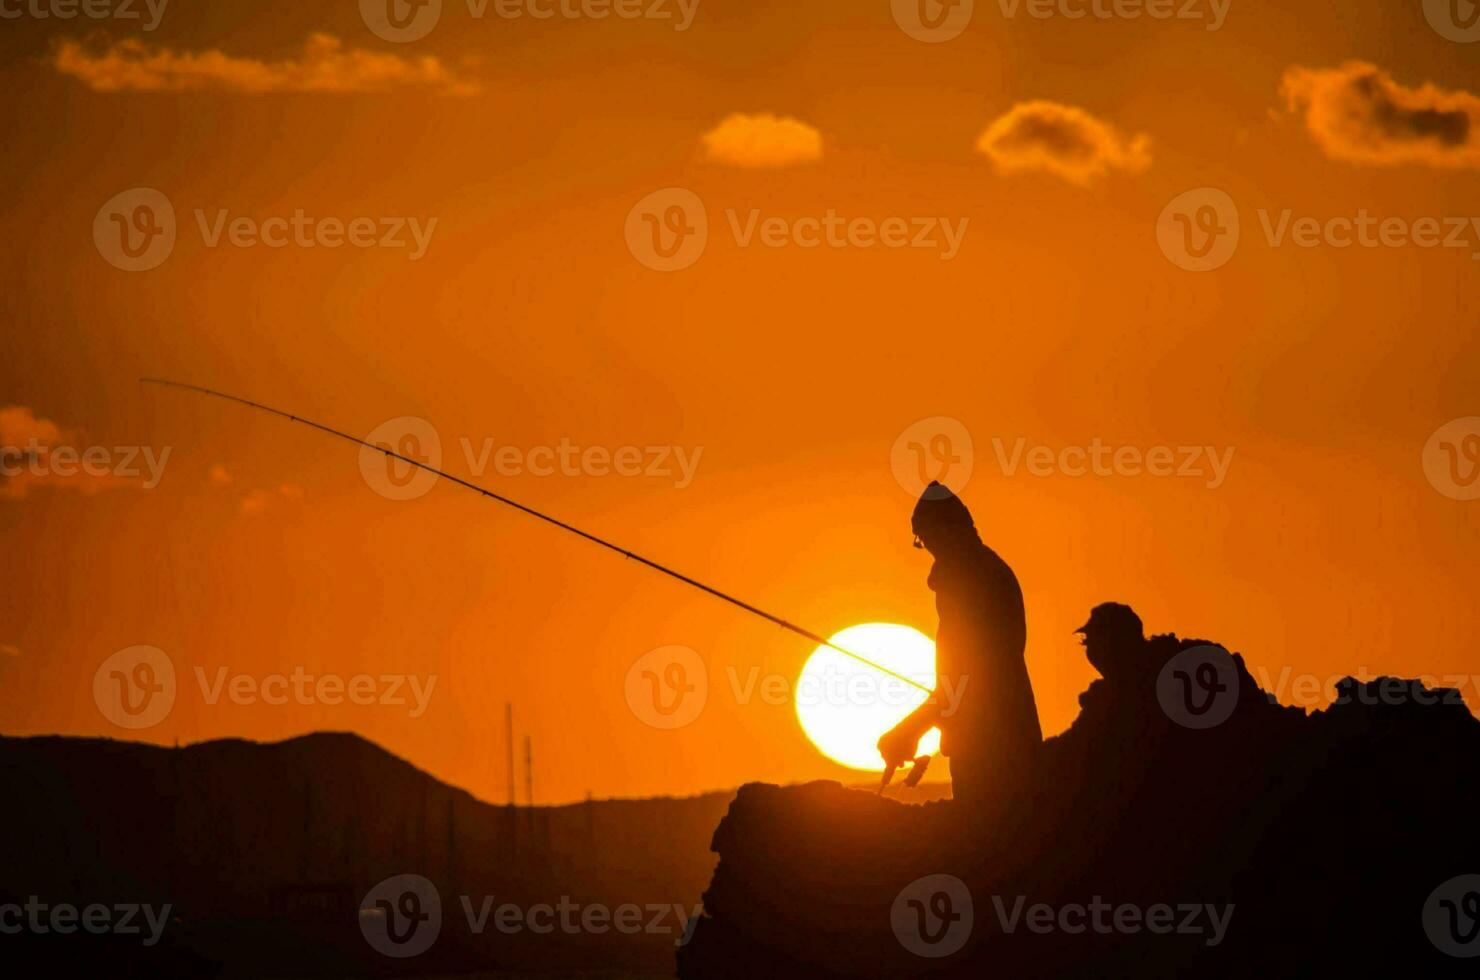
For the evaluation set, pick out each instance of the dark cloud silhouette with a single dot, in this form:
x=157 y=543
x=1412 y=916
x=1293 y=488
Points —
x=1062 y=140
x=1359 y=114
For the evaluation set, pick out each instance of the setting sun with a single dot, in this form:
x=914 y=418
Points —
x=845 y=705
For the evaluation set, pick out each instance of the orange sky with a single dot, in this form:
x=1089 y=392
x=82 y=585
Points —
x=788 y=372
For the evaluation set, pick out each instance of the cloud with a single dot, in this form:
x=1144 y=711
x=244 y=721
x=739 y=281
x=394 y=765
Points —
x=19 y=426
x=1358 y=114
x=256 y=502
x=1062 y=140
x=326 y=65
x=38 y=452
x=762 y=141
x=260 y=501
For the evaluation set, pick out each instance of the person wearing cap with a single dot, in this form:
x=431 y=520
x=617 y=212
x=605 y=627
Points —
x=1114 y=641
x=984 y=702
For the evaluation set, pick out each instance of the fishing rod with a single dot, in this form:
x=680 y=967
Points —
x=594 y=539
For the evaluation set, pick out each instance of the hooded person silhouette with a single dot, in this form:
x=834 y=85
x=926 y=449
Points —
x=984 y=703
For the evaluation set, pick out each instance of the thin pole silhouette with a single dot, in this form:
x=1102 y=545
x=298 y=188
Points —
x=509 y=740
x=632 y=555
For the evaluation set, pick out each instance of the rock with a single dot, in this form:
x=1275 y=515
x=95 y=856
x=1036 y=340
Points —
x=1272 y=843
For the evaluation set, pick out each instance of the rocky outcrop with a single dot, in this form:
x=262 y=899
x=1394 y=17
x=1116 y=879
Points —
x=1250 y=839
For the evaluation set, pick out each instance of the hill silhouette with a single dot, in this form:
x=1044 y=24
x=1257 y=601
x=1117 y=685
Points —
x=1279 y=843
x=264 y=853
x=1284 y=843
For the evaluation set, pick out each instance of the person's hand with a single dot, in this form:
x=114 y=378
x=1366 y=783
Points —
x=898 y=745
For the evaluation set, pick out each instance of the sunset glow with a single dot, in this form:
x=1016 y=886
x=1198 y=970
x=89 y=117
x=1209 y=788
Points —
x=845 y=705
